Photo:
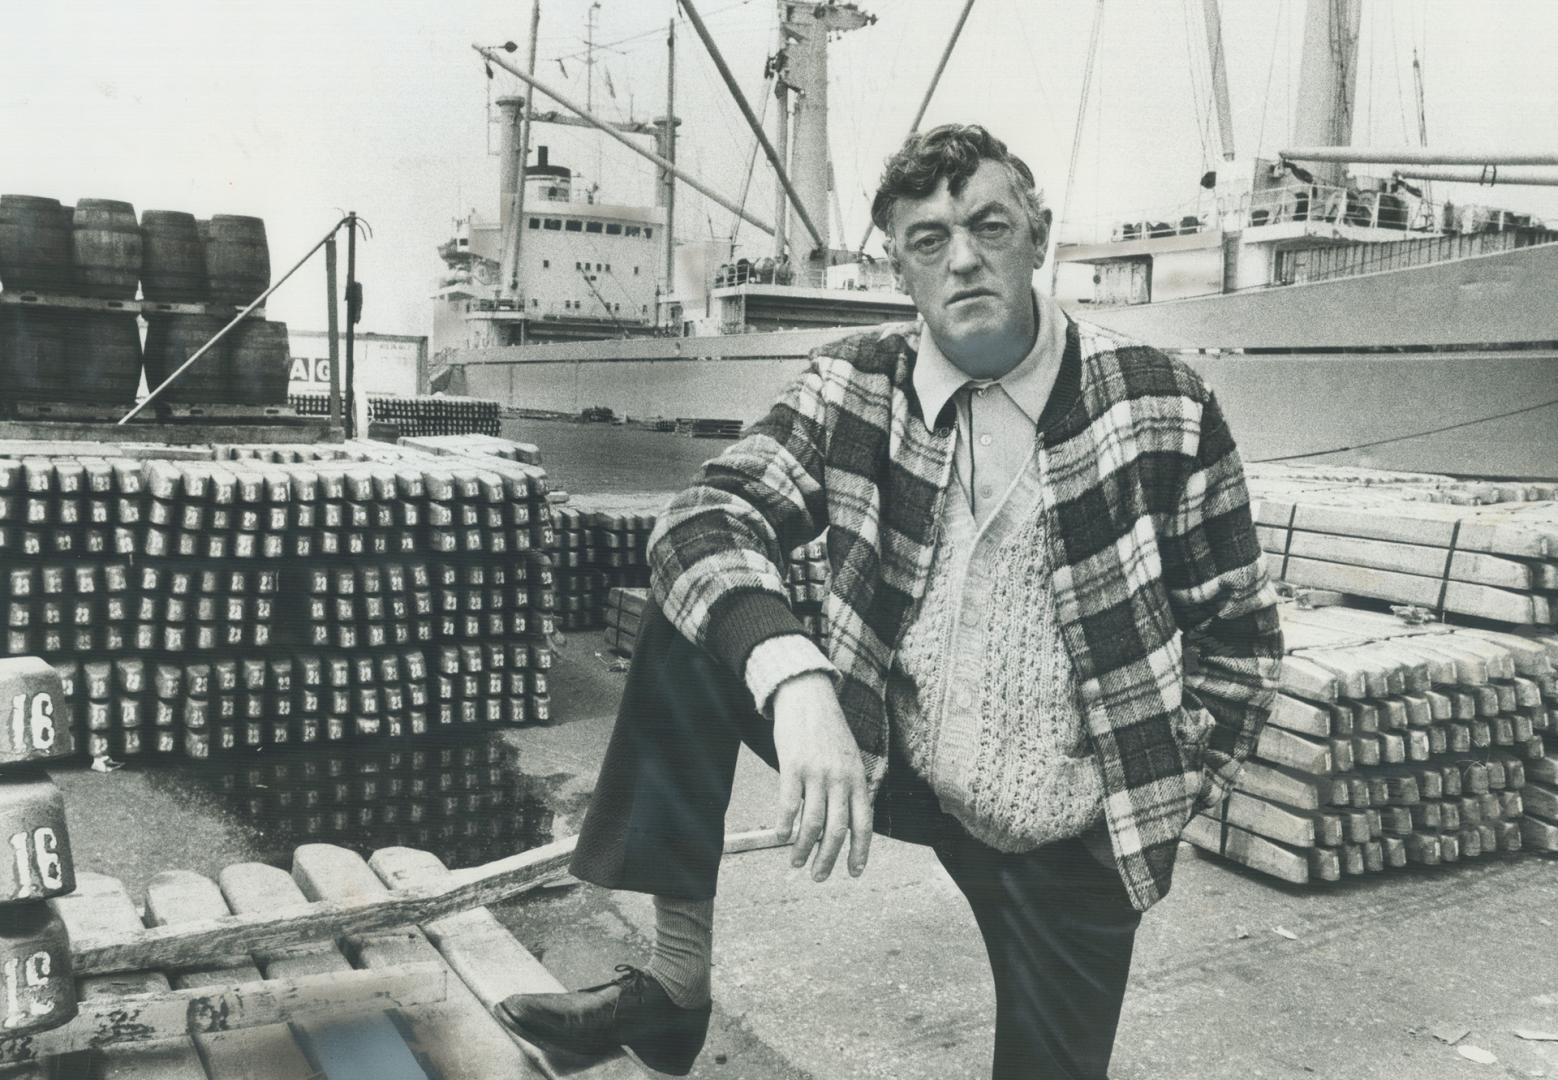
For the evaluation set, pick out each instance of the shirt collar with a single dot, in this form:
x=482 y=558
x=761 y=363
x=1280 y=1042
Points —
x=937 y=379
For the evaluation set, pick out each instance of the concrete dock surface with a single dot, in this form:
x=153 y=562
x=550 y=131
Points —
x=1236 y=976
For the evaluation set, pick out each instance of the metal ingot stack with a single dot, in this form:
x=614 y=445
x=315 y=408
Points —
x=37 y=990
x=597 y=551
x=808 y=583
x=455 y=797
x=806 y=579
x=302 y=594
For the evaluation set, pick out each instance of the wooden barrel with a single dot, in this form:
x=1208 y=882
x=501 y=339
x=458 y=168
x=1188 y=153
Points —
x=105 y=363
x=106 y=249
x=173 y=267
x=34 y=244
x=35 y=350
x=172 y=339
x=261 y=362
x=237 y=258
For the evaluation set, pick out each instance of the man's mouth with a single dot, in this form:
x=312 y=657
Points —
x=969 y=294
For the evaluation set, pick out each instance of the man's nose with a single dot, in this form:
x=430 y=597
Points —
x=962 y=252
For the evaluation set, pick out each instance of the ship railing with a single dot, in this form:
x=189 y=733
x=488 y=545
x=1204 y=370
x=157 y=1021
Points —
x=870 y=276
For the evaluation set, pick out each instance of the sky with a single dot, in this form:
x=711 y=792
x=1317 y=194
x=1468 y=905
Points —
x=296 y=111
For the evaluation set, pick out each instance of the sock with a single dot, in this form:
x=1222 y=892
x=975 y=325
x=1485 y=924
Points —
x=684 y=949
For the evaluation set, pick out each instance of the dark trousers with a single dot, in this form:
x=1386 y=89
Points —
x=1058 y=925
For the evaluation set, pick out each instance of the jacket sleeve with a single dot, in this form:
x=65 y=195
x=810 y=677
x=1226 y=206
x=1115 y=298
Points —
x=1224 y=604
x=717 y=553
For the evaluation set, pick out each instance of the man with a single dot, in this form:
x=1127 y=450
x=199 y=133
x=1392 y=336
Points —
x=1051 y=638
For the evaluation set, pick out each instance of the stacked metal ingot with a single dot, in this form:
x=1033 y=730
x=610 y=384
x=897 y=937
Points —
x=453 y=795
x=806 y=577
x=36 y=987
x=597 y=551
x=624 y=613
x=1396 y=743
x=187 y=602
x=808 y=584
x=414 y=417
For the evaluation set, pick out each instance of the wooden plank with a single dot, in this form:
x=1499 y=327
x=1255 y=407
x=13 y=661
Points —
x=458 y=1036
x=267 y=1053
x=1538 y=835
x=294 y=921
x=365 y=1048
x=1248 y=849
x=276 y=926
x=100 y=905
x=112 y=1022
x=492 y=962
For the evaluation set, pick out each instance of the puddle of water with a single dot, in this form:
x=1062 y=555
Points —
x=458 y=795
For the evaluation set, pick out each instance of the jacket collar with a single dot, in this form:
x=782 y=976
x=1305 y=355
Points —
x=1029 y=384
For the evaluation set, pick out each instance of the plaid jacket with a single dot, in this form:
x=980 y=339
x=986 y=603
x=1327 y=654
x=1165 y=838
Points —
x=1161 y=597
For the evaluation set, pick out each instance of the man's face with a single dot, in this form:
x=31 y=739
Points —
x=967 y=260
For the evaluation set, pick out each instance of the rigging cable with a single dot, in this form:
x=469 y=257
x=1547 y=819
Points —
x=1195 y=88
x=1076 y=136
x=1271 y=69
x=746 y=185
x=1414 y=435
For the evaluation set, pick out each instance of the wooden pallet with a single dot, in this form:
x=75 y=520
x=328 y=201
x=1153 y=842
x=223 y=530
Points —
x=456 y=1037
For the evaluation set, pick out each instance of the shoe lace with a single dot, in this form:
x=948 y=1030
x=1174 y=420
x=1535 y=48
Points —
x=631 y=979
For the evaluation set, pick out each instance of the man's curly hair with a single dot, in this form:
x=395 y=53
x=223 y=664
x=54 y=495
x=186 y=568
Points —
x=952 y=152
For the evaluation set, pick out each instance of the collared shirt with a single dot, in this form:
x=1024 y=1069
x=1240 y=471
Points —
x=996 y=417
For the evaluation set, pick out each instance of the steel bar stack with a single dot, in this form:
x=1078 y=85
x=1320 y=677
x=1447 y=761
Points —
x=1396 y=742
x=415 y=417
x=264 y=596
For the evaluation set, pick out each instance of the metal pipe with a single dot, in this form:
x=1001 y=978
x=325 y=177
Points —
x=220 y=334
x=752 y=122
x=782 y=129
x=1488 y=175
x=510 y=272
x=1414 y=155
x=352 y=309
x=697 y=185
x=670 y=155
x=332 y=301
x=941 y=65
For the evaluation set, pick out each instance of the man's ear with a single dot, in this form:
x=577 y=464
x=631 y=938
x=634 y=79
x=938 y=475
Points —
x=893 y=261
x=1041 y=237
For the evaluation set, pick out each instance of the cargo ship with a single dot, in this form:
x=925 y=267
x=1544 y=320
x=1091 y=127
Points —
x=1341 y=317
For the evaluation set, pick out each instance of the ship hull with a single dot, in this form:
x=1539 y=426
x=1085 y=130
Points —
x=1329 y=366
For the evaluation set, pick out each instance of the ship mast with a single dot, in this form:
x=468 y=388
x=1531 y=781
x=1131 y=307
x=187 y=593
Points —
x=1327 y=82
x=804 y=31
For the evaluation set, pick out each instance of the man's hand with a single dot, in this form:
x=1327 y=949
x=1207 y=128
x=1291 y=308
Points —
x=822 y=784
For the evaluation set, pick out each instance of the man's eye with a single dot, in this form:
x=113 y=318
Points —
x=927 y=244
x=994 y=228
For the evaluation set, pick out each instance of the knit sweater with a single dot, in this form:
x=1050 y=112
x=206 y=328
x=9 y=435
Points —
x=981 y=690
x=1161 y=598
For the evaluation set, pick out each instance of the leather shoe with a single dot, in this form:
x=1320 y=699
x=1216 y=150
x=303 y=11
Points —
x=633 y=1010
